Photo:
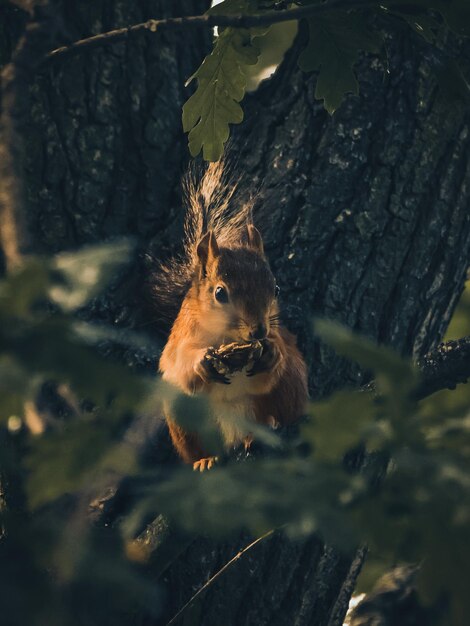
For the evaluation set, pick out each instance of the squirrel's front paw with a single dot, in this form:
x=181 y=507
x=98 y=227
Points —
x=269 y=360
x=208 y=369
x=205 y=463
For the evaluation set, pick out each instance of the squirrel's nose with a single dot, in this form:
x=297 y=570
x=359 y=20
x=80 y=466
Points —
x=259 y=332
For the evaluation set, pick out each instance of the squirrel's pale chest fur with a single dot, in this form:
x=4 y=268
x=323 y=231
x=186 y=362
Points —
x=232 y=408
x=231 y=297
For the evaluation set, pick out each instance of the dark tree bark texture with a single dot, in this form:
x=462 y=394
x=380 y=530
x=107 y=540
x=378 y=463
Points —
x=364 y=216
x=105 y=146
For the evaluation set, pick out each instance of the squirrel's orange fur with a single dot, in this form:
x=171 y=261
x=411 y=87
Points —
x=230 y=297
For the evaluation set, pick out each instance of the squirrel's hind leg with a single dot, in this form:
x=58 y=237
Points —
x=187 y=445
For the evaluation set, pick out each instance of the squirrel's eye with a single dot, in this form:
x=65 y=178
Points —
x=277 y=291
x=221 y=295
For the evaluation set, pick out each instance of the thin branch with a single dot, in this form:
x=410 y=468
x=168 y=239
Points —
x=445 y=367
x=219 y=573
x=209 y=21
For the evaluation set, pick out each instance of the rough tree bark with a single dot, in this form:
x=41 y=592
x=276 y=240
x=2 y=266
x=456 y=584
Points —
x=364 y=216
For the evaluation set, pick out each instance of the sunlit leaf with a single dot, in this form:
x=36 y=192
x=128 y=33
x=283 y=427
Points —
x=221 y=85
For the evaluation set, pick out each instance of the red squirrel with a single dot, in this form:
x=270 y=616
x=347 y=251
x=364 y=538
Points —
x=229 y=295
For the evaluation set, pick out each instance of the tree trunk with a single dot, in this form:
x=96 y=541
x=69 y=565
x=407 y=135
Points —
x=364 y=216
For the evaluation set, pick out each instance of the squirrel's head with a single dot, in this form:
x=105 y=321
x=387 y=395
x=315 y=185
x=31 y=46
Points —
x=235 y=289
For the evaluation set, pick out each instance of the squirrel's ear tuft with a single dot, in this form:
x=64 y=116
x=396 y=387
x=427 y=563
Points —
x=207 y=250
x=255 y=240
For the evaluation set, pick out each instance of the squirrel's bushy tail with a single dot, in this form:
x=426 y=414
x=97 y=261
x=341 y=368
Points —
x=209 y=206
x=208 y=199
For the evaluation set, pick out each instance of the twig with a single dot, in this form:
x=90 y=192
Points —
x=209 y=21
x=442 y=368
x=445 y=367
x=219 y=573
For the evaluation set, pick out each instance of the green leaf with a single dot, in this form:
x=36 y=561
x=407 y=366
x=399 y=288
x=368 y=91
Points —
x=460 y=323
x=379 y=359
x=87 y=272
x=15 y=384
x=332 y=50
x=221 y=86
x=75 y=457
x=372 y=571
x=338 y=423
x=22 y=288
x=395 y=377
x=193 y=414
x=247 y=495
x=221 y=83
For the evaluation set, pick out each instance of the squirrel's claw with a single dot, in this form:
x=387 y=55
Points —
x=208 y=372
x=205 y=463
x=215 y=376
x=270 y=357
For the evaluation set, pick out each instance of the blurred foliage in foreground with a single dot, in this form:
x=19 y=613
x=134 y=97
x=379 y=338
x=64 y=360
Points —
x=460 y=323
x=377 y=469
x=55 y=568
